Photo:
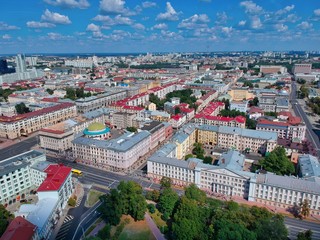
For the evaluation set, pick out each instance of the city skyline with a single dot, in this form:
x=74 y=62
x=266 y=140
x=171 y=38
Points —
x=117 y=26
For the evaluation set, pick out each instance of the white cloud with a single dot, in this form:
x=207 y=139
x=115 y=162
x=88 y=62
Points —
x=6 y=37
x=56 y=36
x=285 y=10
x=148 y=4
x=139 y=26
x=221 y=18
x=195 y=21
x=114 y=7
x=93 y=28
x=251 y=7
x=160 y=26
x=169 y=15
x=256 y=22
x=54 y=17
x=82 y=4
x=304 y=25
x=317 y=12
x=227 y=30
x=168 y=34
x=34 y=24
x=119 y=20
x=242 y=23
x=280 y=27
x=5 y=26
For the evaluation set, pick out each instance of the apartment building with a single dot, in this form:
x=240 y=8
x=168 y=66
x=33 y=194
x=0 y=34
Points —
x=237 y=138
x=17 y=177
x=292 y=129
x=100 y=101
x=302 y=68
x=178 y=120
x=241 y=106
x=267 y=69
x=227 y=178
x=123 y=119
x=238 y=121
x=24 y=124
x=58 y=137
x=238 y=94
x=117 y=154
x=158 y=132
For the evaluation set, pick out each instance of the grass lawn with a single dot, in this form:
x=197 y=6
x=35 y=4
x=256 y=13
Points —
x=157 y=219
x=135 y=230
x=92 y=197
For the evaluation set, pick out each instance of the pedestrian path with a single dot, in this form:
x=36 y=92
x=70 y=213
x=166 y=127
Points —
x=64 y=230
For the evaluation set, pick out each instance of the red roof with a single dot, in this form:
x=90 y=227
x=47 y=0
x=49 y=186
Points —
x=56 y=176
x=239 y=119
x=36 y=113
x=135 y=108
x=176 y=117
x=186 y=110
x=51 y=99
x=19 y=229
x=255 y=110
x=52 y=131
x=265 y=121
x=294 y=120
x=285 y=113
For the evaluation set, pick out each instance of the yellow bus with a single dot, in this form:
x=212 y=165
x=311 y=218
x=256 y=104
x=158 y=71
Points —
x=76 y=171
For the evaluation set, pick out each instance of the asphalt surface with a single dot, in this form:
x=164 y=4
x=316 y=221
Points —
x=310 y=134
x=18 y=148
x=295 y=226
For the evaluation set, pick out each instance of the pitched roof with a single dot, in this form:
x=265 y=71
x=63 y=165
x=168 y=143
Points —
x=19 y=229
x=56 y=176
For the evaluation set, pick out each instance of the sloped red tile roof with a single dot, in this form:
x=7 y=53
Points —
x=19 y=229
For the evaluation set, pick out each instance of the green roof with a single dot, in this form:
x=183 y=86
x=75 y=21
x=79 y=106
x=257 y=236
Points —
x=96 y=127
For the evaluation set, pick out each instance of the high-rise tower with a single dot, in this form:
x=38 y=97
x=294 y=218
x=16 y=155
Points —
x=20 y=63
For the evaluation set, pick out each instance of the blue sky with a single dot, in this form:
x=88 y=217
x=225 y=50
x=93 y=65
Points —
x=71 y=26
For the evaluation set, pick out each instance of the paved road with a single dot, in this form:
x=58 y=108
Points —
x=299 y=112
x=155 y=230
x=18 y=148
x=295 y=226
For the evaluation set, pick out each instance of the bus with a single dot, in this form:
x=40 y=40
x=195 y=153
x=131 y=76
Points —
x=77 y=172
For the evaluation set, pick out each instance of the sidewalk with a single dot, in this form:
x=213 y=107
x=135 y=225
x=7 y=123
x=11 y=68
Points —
x=153 y=227
x=95 y=231
x=4 y=143
x=79 y=192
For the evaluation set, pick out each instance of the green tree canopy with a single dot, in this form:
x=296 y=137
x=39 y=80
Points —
x=5 y=218
x=193 y=192
x=277 y=162
x=306 y=235
x=167 y=202
x=22 y=108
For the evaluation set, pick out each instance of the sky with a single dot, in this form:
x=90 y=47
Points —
x=130 y=26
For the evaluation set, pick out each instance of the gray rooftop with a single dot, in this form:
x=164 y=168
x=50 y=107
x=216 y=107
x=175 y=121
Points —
x=123 y=143
x=291 y=183
x=19 y=161
x=308 y=166
x=232 y=160
x=240 y=131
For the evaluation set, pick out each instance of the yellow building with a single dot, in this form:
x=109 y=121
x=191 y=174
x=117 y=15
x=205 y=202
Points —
x=207 y=137
x=238 y=94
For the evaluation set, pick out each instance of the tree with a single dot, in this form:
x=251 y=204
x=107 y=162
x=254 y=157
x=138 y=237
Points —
x=247 y=84
x=198 y=150
x=50 y=91
x=277 y=162
x=177 y=110
x=72 y=202
x=271 y=114
x=167 y=202
x=188 y=156
x=151 y=208
x=273 y=229
x=132 y=129
x=305 y=208
x=153 y=195
x=256 y=85
x=207 y=160
x=70 y=93
x=305 y=235
x=21 y=108
x=165 y=182
x=110 y=208
x=104 y=233
x=254 y=102
x=193 y=192
x=250 y=123
x=5 y=218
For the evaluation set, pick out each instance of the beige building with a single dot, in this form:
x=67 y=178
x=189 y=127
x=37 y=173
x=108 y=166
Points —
x=24 y=124
x=117 y=154
x=123 y=119
x=238 y=94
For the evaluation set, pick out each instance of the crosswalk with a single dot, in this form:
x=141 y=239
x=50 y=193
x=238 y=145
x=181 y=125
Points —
x=68 y=218
x=79 y=201
x=64 y=229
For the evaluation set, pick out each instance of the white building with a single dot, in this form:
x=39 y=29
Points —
x=239 y=106
x=17 y=177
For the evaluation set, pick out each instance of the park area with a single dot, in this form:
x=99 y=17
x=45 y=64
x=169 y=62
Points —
x=92 y=197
